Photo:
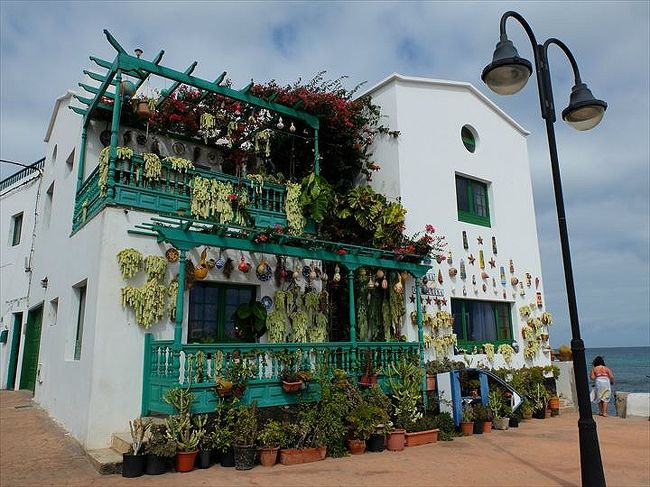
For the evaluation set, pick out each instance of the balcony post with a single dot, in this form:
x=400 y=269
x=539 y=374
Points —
x=115 y=126
x=353 y=316
x=180 y=295
x=82 y=157
x=418 y=312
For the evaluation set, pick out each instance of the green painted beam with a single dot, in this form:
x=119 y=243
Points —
x=102 y=89
x=97 y=77
x=145 y=75
x=247 y=88
x=127 y=63
x=189 y=239
x=78 y=110
x=273 y=96
x=113 y=42
x=176 y=84
x=217 y=81
x=94 y=91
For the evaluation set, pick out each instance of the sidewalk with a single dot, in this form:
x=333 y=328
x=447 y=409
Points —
x=34 y=451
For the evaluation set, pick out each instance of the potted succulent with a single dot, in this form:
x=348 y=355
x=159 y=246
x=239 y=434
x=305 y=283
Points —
x=179 y=429
x=480 y=417
x=291 y=381
x=244 y=436
x=369 y=371
x=362 y=422
x=133 y=463
x=204 y=457
x=467 y=421
x=495 y=403
x=159 y=449
x=527 y=410
x=304 y=439
x=270 y=438
x=404 y=378
x=537 y=398
x=377 y=440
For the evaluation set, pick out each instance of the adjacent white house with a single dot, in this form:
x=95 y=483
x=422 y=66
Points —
x=460 y=163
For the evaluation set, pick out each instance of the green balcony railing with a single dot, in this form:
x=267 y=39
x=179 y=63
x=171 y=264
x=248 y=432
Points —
x=171 y=193
x=165 y=368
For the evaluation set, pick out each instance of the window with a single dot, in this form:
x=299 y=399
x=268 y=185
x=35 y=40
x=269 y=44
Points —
x=17 y=229
x=472 y=201
x=212 y=311
x=479 y=322
x=468 y=136
x=70 y=160
x=80 y=292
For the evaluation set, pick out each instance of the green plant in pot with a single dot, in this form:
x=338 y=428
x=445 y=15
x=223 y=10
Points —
x=159 y=449
x=480 y=417
x=204 y=457
x=467 y=420
x=405 y=379
x=250 y=321
x=245 y=436
x=362 y=422
x=179 y=429
x=270 y=438
x=133 y=463
x=496 y=405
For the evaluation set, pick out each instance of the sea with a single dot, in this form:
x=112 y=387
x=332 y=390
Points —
x=631 y=368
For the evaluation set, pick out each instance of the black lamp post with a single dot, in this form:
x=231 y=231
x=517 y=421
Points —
x=506 y=75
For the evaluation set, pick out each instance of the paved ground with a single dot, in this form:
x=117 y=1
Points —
x=35 y=452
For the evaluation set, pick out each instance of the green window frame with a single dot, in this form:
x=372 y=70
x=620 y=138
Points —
x=17 y=229
x=81 y=316
x=211 y=313
x=466 y=312
x=472 y=201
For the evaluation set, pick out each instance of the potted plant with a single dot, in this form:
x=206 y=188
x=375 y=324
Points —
x=538 y=401
x=244 y=436
x=159 y=449
x=369 y=371
x=554 y=405
x=143 y=105
x=489 y=417
x=495 y=403
x=527 y=410
x=467 y=421
x=133 y=463
x=180 y=399
x=424 y=431
x=404 y=378
x=304 y=438
x=377 y=440
x=222 y=435
x=250 y=321
x=204 y=457
x=362 y=421
x=270 y=438
x=179 y=428
x=480 y=416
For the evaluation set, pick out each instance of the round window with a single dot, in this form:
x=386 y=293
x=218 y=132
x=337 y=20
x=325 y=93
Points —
x=469 y=138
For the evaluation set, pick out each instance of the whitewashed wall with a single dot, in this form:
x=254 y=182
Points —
x=420 y=167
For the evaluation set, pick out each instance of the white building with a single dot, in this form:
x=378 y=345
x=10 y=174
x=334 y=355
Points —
x=97 y=368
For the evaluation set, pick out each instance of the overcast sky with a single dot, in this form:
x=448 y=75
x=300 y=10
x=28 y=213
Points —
x=45 y=46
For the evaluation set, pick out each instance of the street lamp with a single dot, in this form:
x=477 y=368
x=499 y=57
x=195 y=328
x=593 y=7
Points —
x=506 y=75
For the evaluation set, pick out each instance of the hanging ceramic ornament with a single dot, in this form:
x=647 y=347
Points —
x=504 y=295
x=537 y=283
x=512 y=267
x=398 y=287
x=243 y=265
x=337 y=274
x=494 y=245
x=474 y=279
x=380 y=274
x=371 y=284
x=312 y=272
x=481 y=259
x=439 y=276
x=452 y=272
x=465 y=244
x=384 y=283
x=539 y=299
x=484 y=275
x=479 y=239
x=449 y=258
x=502 y=273
x=514 y=281
x=463 y=274
x=484 y=287
x=522 y=292
x=292 y=128
x=323 y=276
x=492 y=263
x=280 y=125
x=528 y=279
x=464 y=291
x=494 y=283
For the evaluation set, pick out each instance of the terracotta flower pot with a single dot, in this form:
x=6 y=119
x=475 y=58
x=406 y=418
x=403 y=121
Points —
x=421 y=437
x=467 y=428
x=368 y=380
x=431 y=382
x=357 y=447
x=487 y=427
x=396 y=440
x=185 y=460
x=291 y=386
x=295 y=456
x=554 y=405
x=269 y=456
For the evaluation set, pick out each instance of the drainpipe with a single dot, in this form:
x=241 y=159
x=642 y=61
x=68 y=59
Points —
x=353 y=316
x=418 y=312
x=82 y=157
x=115 y=125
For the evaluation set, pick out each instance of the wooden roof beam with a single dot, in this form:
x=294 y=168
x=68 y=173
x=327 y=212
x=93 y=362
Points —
x=94 y=91
x=98 y=77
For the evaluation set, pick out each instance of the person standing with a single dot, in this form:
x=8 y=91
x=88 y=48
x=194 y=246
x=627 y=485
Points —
x=603 y=379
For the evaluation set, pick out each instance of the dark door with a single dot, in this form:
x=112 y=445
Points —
x=13 y=351
x=32 y=347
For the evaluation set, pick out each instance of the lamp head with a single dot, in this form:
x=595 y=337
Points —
x=584 y=111
x=507 y=73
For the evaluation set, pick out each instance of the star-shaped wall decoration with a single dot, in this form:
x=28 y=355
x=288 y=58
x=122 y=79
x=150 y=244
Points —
x=480 y=240
x=412 y=299
x=444 y=301
x=471 y=259
x=428 y=300
x=437 y=301
x=492 y=263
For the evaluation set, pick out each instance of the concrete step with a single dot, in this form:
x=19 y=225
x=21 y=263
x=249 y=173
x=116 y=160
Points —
x=105 y=460
x=121 y=442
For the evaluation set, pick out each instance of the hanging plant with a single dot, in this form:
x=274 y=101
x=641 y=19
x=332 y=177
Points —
x=257 y=182
x=299 y=326
x=489 y=351
x=152 y=165
x=179 y=164
x=155 y=266
x=507 y=351
x=531 y=349
x=317 y=333
x=172 y=293
x=123 y=153
x=295 y=218
x=201 y=197
x=276 y=324
x=546 y=318
x=130 y=262
x=147 y=302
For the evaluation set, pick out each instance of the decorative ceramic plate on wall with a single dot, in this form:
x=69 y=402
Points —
x=267 y=302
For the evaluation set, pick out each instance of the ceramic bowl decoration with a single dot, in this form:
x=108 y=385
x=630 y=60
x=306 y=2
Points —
x=452 y=272
x=220 y=263
x=211 y=263
x=305 y=271
x=172 y=255
x=267 y=302
x=178 y=148
x=264 y=272
x=514 y=281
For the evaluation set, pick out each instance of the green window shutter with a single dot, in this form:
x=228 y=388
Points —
x=472 y=201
